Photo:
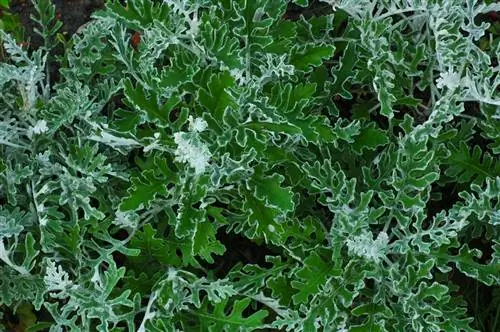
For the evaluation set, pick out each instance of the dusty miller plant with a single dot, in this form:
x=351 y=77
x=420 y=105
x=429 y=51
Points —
x=355 y=149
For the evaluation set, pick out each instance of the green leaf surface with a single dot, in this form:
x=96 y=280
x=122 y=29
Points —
x=345 y=159
x=370 y=138
x=219 y=318
x=143 y=191
x=311 y=56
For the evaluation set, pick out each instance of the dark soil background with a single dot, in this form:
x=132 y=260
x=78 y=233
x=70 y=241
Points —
x=73 y=14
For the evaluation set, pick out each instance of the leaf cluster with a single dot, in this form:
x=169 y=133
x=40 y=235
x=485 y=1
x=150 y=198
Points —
x=215 y=165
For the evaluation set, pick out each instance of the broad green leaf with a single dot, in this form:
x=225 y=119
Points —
x=345 y=72
x=138 y=13
x=216 y=97
x=205 y=243
x=143 y=190
x=269 y=190
x=313 y=276
x=220 y=43
x=311 y=56
x=261 y=220
x=224 y=316
x=180 y=71
x=150 y=107
x=370 y=138
x=466 y=262
x=466 y=166
x=188 y=216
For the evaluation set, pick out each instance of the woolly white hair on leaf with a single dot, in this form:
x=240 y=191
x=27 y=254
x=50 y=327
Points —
x=191 y=150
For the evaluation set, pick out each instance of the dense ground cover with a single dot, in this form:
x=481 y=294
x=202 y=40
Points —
x=237 y=165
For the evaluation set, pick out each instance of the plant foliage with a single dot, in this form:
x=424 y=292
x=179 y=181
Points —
x=221 y=165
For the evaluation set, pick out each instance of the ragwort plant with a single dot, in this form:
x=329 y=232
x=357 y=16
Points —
x=355 y=150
